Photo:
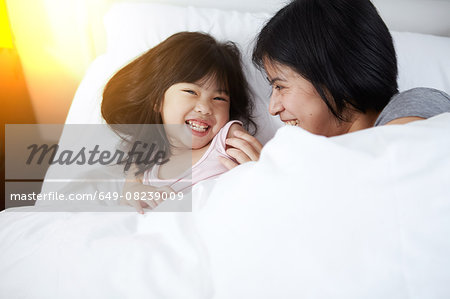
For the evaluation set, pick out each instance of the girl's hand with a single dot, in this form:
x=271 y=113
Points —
x=133 y=188
x=243 y=147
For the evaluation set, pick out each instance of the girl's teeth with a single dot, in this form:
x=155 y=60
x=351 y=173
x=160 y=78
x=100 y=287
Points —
x=197 y=127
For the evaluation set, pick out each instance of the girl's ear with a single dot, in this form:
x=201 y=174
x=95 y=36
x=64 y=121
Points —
x=157 y=107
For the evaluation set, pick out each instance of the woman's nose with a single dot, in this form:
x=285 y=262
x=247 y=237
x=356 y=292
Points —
x=275 y=105
x=203 y=106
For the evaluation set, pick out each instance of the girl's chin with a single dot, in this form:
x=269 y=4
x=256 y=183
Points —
x=199 y=144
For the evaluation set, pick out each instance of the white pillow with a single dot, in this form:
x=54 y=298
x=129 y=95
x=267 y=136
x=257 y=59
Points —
x=423 y=60
x=133 y=28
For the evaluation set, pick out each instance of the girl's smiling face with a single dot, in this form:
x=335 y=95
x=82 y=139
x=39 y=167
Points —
x=202 y=107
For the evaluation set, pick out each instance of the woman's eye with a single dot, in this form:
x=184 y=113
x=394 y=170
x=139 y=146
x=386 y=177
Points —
x=190 y=91
x=276 y=87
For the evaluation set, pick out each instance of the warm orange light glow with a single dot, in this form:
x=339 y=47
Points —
x=5 y=31
x=53 y=42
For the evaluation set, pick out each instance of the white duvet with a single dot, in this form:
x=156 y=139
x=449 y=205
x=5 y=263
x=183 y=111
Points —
x=364 y=215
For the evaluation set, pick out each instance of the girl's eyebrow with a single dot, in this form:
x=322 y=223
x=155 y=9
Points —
x=224 y=91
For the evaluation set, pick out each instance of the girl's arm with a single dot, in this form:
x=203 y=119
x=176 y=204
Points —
x=242 y=146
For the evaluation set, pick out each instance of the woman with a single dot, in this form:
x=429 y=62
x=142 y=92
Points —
x=333 y=70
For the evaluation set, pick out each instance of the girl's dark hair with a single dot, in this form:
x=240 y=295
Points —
x=342 y=47
x=134 y=95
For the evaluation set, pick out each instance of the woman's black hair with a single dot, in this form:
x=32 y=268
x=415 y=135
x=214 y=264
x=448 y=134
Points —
x=342 y=47
x=134 y=95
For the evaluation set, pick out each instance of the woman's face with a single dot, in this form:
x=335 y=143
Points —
x=201 y=106
x=295 y=100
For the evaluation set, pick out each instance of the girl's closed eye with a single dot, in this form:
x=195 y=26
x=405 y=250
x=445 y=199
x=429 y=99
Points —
x=220 y=99
x=190 y=91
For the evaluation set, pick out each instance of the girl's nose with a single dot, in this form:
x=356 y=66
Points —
x=275 y=105
x=203 y=106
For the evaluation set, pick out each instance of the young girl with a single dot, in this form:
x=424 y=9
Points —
x=193 y=81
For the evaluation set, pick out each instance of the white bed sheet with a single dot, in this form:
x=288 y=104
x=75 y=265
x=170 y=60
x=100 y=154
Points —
x=364 y=215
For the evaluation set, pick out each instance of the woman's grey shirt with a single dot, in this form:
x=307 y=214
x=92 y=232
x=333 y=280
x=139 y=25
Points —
x=421 y=102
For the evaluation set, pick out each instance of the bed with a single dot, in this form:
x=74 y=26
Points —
x=364 y=215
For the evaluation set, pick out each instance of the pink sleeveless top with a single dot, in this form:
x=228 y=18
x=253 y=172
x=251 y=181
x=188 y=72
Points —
x=207 y=167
